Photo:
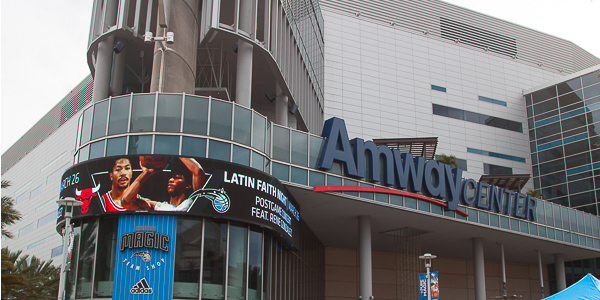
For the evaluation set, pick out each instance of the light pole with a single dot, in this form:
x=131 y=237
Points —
x=428 y=257
x=68 y=203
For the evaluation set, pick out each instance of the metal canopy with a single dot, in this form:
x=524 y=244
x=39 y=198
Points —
x=424 y=147
x=513 y=182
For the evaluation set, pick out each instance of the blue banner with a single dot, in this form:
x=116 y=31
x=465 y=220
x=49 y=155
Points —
x=434 y=287
x=145 y=256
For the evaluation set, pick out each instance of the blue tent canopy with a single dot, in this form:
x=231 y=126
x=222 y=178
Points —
x=588 y=288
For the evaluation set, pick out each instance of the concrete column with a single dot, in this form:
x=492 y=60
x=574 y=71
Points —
x=365 y=277
x=281 y=107
x=479 y=269
x=174 y=65
x=118 y=71
x=559 y=269
x=243 y=79
x=103 y=69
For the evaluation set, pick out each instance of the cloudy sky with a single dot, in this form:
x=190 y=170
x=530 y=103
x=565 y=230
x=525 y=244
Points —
x=43 y=45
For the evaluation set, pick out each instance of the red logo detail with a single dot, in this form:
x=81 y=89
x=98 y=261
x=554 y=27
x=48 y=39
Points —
x=85 y=196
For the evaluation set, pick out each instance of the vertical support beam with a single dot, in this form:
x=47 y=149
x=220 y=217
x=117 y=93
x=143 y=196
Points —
x=243 y=89
x=365 y=262
x=281 y=106
x=174 y=65
x=118 y=71
x=559 y=269
x=103 y=69
x=479 y=269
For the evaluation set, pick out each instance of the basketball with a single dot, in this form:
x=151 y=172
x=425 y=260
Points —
x=154 y=162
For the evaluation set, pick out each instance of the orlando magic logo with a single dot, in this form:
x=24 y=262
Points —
x=218 y=197
x=145 y=255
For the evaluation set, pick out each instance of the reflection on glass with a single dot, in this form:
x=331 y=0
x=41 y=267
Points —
x=97 y=149
x=168 y=113
x=281 y=143
x=242 y=125
x=140 y=144
x=220 y=119
x=166 y=144
x=195 y=115
x=241 y=155
x=193 y=147
x=255 y=265
x=186 y=275
x=105 y=257
x=258 y=161
x=119 y=115
x=116 y=146
x=86 y=125
x=258 y=132
x=218 y=150
x=142 y=113
x=316 y=145
x=236 y=280
x=299 y=148
x=99 y=124
x=213 y=268
x=85 y=263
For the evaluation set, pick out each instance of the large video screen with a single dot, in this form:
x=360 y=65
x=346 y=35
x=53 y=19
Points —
x=181 y=185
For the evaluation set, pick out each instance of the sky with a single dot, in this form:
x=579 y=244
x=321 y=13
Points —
x=43 y=45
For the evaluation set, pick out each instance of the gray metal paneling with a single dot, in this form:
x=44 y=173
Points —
x=57 y=116
x=425 y=16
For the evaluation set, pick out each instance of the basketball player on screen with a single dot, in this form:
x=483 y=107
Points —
x=179 y=186
x=120 y=176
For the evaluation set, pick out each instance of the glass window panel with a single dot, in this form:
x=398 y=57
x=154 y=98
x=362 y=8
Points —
x=84 y=153
x=576 y=147
x=396 y=200
x=142 y=113
x=299 y=176
x=281 y=143
x=186 y=274
x=236 y=279
x=140 y=144
x=334 y=180
x=589 y=79
x=213 y=269
x=119 y=115
x=100 y=118
x=472 y=215
x=494 y=220
x=255 y=265
x=166 y=144
x=547 y=130
x=259 y=124
x=572 y=108
x=168 y=113
x=545 y=106
x=410 y=202
x=299 y=148
x=195 y=117
x=86 y=126
x=85 y=262
x=424 y=206
x=116 y=146
x=592 y=91
x=241 y=155
x=593 y=116
x=555 y=191
x=484 y=218
x=542 y=231
x=571 y=98
x=551 y=154
x=523 y=227
x=504 y=223
x=242 y=125
x=578 y=160
x=381 y=198
x=528 y=99
x=574 y=122
x=583 y=198
x=258 y=161
x=514 y=224
x=569 y=86
x=553 y=179
x=552 y=166
x=280 y=171
x=97 y=149
x=220 y=119
x=219 y=150
x=316 y=179
x=193 y=147
x=105 y=257
x=316 y=144
x=543 y=94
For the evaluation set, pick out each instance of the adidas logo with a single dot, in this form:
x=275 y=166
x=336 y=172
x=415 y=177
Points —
x=141 y=287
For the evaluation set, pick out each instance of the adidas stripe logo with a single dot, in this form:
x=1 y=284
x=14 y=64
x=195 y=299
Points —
x=141 y=287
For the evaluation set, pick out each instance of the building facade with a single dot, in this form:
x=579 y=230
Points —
x=304 y=135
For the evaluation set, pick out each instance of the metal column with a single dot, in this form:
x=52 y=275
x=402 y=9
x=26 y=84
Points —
x=479 y=269
x=365 y=266
x=281 y=107
x=559 y=269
